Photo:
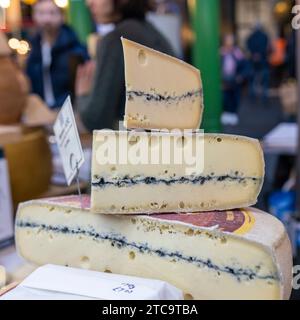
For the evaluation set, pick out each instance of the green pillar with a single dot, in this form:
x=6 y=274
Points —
x=80 y=19
x=205 y=16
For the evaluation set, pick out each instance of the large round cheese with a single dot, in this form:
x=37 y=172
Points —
x=234 y=254
x=29 y=162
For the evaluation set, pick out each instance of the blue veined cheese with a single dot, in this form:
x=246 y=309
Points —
x=238 y=254
x=148 y=172
x=162 y=92
x=2 y=277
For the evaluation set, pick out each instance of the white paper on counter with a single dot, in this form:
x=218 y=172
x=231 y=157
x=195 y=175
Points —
x=57 y=282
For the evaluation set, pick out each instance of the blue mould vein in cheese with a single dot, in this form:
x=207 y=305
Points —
x=238 y=254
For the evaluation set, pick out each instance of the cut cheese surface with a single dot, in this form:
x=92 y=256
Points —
x=162 y=92
x=217 y=172
x=2 y=277
x=239 y=254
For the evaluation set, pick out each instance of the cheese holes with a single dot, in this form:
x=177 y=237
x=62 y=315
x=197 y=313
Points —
x=244 y=183
x=85 y=262
x=223 y=240
x=163 y=206
x=188 y=296
x=132 y=140
x=107 y=271
x=154 y=205
x=189 y=232
x=181 y=205
x=131 y=255
x=142 y=57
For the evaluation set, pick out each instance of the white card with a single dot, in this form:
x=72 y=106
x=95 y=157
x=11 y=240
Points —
x=51 y=281
x=6 y=210
x=68 y=141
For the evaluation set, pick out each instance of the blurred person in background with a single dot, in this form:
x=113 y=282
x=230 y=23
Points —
x=233 y=75
x=52 y=49
x=100 y=88
x=258 y=45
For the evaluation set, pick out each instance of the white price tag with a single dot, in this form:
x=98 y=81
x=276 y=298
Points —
x=68 y=141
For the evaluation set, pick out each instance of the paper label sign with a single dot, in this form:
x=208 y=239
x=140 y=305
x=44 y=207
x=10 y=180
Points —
x=68 y=141
x=58 y=282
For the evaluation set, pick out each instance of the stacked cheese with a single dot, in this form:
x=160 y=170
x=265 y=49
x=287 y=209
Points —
x=179 y=170
x=233 y=254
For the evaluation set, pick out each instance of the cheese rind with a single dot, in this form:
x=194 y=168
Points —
x=218 y=172
x=173 y=100
x=240 y=254
x=2 y=277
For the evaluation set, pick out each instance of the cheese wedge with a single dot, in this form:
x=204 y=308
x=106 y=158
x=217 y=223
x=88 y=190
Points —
x=2 y=277
x=239 y=254
x=162 y=92
x=134 y=172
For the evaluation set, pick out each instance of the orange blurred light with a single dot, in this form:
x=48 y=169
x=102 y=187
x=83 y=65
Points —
x=281 y=7
x=29 y=2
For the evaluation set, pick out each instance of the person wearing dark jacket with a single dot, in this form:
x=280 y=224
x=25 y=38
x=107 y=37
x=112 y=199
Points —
x=54 y=51
x=100 y=90
x=258 y=45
